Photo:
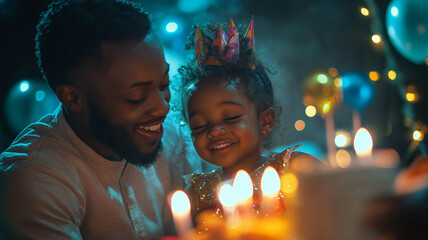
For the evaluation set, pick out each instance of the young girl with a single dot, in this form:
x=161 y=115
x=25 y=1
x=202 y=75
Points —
x=228 y=103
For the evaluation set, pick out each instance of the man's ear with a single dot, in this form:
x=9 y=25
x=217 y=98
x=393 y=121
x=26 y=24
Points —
x=71 y=97
x=267 y=119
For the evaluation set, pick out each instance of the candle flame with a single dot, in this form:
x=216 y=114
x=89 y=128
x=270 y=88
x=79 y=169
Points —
x=243 y=186
x=180 y=204
x=227 y=196
x=363 y=142
x=270 y=183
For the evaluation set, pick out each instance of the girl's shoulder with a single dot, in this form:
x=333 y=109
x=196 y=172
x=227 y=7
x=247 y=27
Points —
x=292 y=160
x=202 y=188
x=303 y=162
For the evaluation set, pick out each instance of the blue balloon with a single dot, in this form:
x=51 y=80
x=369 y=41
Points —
x=407 y=27
x=357 y=90
x=28 y=101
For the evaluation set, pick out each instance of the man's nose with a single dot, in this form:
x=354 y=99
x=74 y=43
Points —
x=160 y=104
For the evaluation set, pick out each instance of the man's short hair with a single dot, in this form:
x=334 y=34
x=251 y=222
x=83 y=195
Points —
x=71 y=31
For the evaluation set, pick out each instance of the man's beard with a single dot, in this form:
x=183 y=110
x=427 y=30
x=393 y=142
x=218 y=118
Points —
x=119 y=140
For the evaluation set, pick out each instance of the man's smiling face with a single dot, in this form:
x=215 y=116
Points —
x=127 y=92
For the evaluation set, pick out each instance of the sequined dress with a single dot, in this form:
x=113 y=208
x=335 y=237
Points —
x=206 y=184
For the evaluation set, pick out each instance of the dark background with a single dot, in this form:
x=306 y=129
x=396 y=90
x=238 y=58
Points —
x=295 y=38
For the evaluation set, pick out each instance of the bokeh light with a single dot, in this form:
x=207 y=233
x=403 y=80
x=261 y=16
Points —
x=374 y=76
x=343 y=158
x=410 y=97
x=27 y=101
x=40 y=95
x=171 y=27
x=322 y=78
x=338 y=82
x=364 y=11
x=418 y=135
x=326 y=107
x=24 y=86
x=342 y=139
x=412 y=94
x=310 y=111
x=289 y=183
x=392 y=74
x=376 y=39
x=332 y=72
x=299 y=125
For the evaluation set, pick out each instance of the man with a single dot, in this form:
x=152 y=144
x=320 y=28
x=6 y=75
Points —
x=97 y=168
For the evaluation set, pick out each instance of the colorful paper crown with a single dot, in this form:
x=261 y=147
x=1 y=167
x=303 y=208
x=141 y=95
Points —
x=225 y=48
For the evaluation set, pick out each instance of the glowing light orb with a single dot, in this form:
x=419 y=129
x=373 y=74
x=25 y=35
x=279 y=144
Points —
x=171 y=27
x=24 y=86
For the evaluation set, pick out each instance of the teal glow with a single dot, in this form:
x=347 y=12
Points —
x=24 y=86
x=171 y=27
x=40 y=95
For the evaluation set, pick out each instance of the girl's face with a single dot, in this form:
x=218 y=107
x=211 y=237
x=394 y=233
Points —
x=225 y=128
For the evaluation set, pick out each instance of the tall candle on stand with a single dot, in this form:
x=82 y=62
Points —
x=329 y=126
x=363 y=145
x=243 y=189
x=180 y=207
x=270 y=184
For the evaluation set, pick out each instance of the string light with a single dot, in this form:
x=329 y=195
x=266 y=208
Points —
x=326 y=107
x=418 y=135
x=365 y=11
x=323 y=79
x=411 y=94
x=310 y=111
x=374 y=76
x=392 y=74
x=24 y=86
x=376 y=39
x=332 y=72
x=299 y=125
x=342 y=139
x=338 y=82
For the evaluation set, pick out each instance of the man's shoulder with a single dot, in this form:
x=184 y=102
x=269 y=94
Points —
x=38 y=144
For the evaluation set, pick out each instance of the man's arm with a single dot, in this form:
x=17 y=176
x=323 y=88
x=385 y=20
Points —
x=40 y=203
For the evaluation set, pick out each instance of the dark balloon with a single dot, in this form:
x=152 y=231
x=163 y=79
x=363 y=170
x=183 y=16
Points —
x=28 y=101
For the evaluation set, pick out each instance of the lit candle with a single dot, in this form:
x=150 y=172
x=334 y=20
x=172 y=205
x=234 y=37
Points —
x=228 y=201
x=270 y=184
x=180 y=207
x=243 y=189
x=363 y=145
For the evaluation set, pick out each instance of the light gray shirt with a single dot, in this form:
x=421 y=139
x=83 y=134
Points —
x=56 y=187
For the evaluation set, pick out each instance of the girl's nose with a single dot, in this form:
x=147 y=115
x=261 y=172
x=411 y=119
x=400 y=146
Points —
x=216 y=131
